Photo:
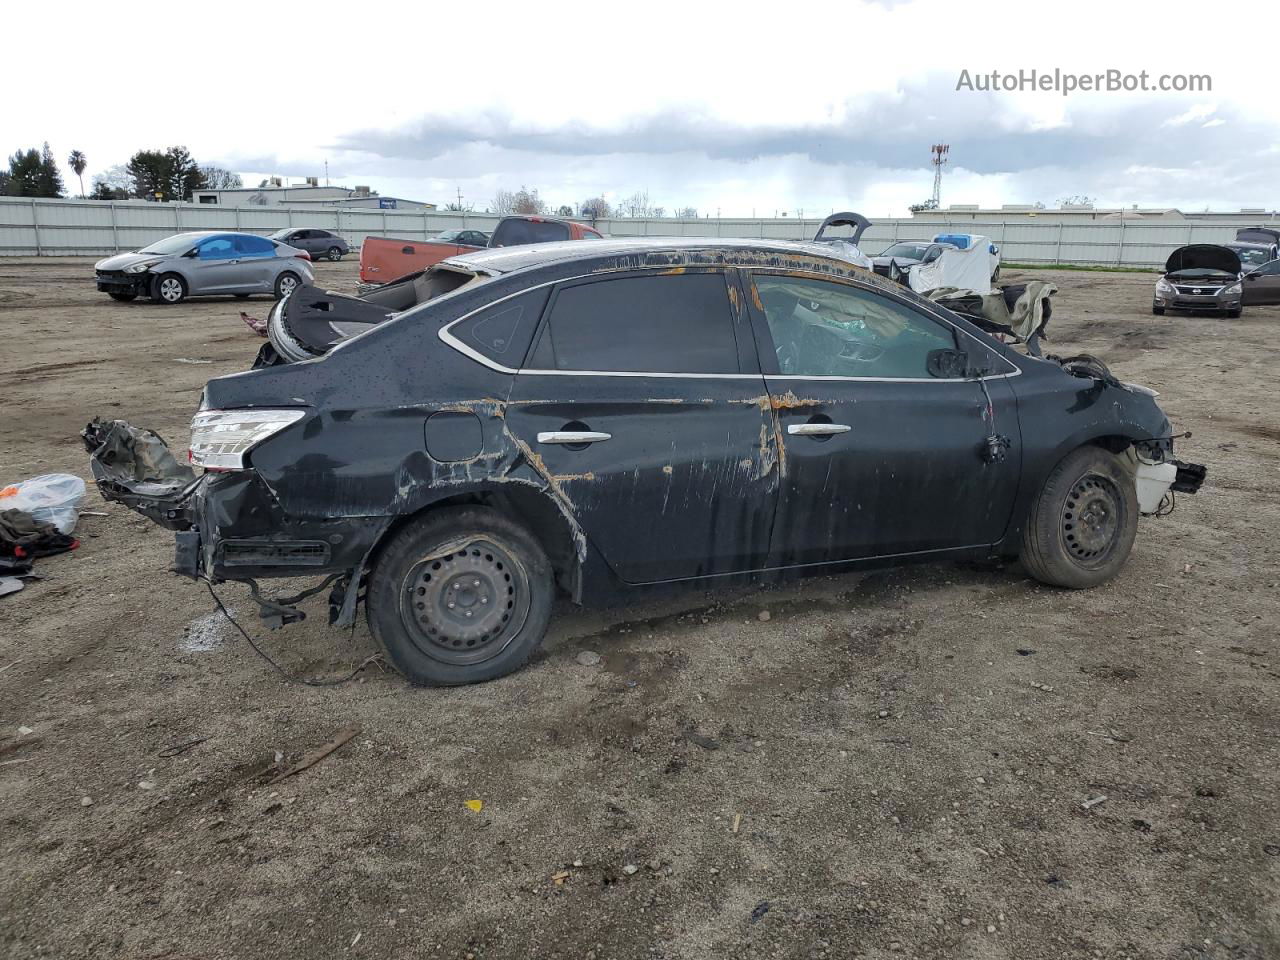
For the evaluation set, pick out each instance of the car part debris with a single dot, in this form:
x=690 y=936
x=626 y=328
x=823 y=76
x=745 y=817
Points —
x=53 y=498
x=315 y=756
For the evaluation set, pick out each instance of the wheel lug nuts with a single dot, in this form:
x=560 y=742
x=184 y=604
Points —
x=468 y=613
x=484 y=599
x=475 y=583
x=451 y=604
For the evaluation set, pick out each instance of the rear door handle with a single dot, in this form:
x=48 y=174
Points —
x=817 y=429
x=573 y=436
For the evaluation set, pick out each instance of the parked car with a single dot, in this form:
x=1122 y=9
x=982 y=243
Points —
x=1266 y=237
x=318 y=243
x=201 y=264
x=1262 y=286
x=609 y=418
x=1200 y=277
x=906 y=254
x=383 y=259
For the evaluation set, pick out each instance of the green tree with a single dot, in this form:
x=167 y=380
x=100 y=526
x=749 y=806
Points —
x=164 y=174
x=77 y=162
x=34 y=173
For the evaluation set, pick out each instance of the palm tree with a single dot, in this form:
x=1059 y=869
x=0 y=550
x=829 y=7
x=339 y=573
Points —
x=78 y=162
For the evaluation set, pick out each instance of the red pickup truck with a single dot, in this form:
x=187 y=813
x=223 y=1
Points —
x=383 y=259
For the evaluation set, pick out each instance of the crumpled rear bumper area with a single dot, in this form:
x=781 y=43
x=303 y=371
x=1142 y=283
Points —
x=227 y=526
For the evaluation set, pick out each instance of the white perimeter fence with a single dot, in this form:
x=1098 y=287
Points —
x=95 y=227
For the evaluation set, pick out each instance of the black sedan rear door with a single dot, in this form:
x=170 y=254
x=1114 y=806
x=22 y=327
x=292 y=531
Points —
x=642 y=403
x=885 y=453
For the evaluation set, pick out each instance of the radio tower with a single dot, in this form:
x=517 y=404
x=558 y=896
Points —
x=939 y=151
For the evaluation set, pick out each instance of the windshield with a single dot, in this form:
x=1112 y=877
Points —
x=450 y=235
x=1250 y=258
x=914 y=251
x=281 y=234
x=1202 y=272
x=179 y=243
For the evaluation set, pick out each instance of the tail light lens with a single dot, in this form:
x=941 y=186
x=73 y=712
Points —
x=302 y=255
x=221 y=438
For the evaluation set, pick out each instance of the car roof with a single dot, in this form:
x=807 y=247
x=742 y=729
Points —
x=641 y=252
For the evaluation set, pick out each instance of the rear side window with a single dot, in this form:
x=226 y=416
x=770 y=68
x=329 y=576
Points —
x=502 y=332
x=511 y=233
x=250 y=246
x=660 y=324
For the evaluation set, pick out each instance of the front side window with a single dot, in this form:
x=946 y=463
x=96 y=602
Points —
x=678 y=323
x=825 y=329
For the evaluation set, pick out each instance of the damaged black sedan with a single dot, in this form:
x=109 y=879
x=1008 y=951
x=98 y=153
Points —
x=606 y=418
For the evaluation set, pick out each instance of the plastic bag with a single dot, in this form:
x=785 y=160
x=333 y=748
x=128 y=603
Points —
x=52 y=498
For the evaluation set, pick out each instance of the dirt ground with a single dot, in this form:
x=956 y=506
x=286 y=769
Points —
x=888 y=765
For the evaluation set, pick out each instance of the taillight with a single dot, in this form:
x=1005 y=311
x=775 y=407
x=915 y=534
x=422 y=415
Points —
x=302 y=255
x=221 y=438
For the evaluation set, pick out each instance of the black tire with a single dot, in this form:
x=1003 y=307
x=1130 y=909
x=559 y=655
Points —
x=242 y=296
x=440 y=569
x=995 y=276
x=169 y=289
x=1233 y=314
x=1158 y=311
x=335 y=254
x=1081 y=526
x=122 y=297
x=286 y=283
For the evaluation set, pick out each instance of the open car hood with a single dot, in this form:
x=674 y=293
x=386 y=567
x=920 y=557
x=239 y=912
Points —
x=1263 y=235
x=1203 y=256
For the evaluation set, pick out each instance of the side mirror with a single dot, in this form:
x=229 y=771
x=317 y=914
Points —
x=1252 y=276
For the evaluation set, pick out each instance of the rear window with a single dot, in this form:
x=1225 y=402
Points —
x=511 y=233
x=661 y=324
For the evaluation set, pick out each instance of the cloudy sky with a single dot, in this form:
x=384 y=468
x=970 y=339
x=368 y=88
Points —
x=742 y=108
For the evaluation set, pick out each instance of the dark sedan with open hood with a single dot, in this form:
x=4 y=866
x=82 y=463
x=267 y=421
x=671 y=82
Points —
x=606 y=418
x=1201 y=276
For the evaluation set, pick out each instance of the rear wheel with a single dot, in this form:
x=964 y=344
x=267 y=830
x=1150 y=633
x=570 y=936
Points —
x=460 y=595
x=335 y=254
x=168 y=288
x=1158 y=311
x=122 y=297
x=286 y=283
x=1082 y=525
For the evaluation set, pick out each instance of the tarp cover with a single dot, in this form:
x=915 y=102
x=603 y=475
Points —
x=963 y=269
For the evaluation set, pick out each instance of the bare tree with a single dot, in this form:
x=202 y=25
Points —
x=528 y=203
x=596 y=208
x=564 y=210
x=638 y=205
x=215 y=178
x=77 y=162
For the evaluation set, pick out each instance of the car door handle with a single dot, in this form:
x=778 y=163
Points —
x=817 y=429
x=573 y=436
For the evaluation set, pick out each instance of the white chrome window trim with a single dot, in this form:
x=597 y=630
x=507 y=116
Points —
x=447 y=337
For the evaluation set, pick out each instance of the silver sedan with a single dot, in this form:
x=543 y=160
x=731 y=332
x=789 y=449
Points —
x=203 y=264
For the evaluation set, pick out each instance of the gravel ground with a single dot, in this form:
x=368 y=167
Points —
x=877 y=765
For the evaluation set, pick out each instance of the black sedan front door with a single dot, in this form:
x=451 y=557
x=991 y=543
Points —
x=642 y=404
x=1262 y=286
x=883 y=453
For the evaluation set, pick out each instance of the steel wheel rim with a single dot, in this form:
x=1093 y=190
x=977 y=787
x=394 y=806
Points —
x=467 y=605
x=1092 y=518
x=287 y=285
x=170 y=289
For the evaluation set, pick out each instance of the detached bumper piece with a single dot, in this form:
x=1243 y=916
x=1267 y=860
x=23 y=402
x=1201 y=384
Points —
x=135 y=467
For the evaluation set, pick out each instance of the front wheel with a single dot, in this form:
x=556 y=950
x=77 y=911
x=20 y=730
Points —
x=286 y=283
x=460 y=595
x=1158 y=311
x=1234 y=314
x=122 y=297
x=1082 y=525
x=335 y=254
x=168 y=288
